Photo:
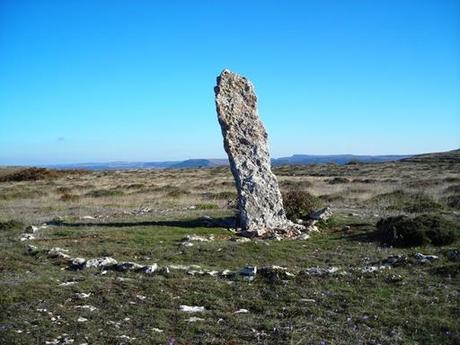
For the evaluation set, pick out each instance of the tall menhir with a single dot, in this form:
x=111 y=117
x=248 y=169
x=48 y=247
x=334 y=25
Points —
x=245 y=141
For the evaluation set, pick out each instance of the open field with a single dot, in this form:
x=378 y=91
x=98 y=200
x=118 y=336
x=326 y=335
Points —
x=144 y=215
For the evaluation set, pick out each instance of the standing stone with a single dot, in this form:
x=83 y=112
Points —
x=245 y=140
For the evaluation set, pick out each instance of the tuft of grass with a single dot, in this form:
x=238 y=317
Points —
x=402 y=231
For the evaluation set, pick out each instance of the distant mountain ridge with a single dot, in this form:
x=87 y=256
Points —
x=436 y=157
x=297 y=159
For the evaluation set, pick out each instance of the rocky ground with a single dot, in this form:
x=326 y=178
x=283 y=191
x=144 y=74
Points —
x=136 y=257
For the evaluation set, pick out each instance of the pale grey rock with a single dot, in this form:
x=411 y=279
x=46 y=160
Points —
x=31 y=250
x=249 y=272
x=31 y=229
x=128 y=266
x=322 y=214
x=275 y=273
x=245 y=141
x=151 y=269
x=191 y=309
x=77 y=263
x=102 y=262
x=58 y=253
x=423 y=259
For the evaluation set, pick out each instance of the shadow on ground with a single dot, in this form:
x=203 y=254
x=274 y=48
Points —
x=227 y=222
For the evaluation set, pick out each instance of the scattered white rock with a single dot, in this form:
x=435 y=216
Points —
x=151 y=269
x=102 y=262
x=249 y=272
x=241 y=239
x=26 y=237
x=82 y=295
x=125 y=337
x=194 y=319
x=275 y=272
x=31 y=250
x=304 y=236
x=77 y=262
x=157 y=330
x=372 y=269
x=241 y=311
x=191 y=309
x=322 y=214
x=81 y=319
x=128 y=265
x=198 y=238
x=317 y=271
x=87 y=307
x=226 y=273
x=142 y=298
x=423 y=259
x=68 y=284
x=31 y=229
x=57 y=252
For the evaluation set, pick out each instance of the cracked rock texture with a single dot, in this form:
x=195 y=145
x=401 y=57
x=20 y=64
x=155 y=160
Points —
x=245 y=140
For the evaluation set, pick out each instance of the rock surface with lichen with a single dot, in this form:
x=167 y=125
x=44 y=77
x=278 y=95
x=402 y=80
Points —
x=260 y=203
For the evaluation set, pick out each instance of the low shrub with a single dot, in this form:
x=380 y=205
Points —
x=338 y=180
x=453 y=201
x=10 y=224
x=206 y=206
x=453 y=189
x=299 y=204
x=69 y=197
x=35 y=174
x=99 y=193
x=293 y=185
x=408 y=202
x=402 y=231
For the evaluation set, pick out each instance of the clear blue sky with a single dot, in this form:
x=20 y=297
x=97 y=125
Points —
x=133 y=80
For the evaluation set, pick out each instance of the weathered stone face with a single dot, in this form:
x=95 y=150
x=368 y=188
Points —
x=245 y=141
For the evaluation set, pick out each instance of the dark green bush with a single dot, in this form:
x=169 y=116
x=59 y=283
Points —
x=408 y=202
x=338 y=180
x=99 y=193
x=69 y=197
x=402 y=231
x=206 y=206
x=10 y=224
x=454 y=201
x=299 y=204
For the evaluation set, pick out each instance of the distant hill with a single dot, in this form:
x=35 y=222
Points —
x=436 y=157
x=199 y=163
x=297 y=159
x=337 y=159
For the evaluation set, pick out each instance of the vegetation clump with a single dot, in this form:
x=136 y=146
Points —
x=402 y=231
x=299 y=204
x=338 y=180
x=35 y=174
x=10 y=224
x=454 y=201
x=408 y=202
x=99 y=193
x=29 y=174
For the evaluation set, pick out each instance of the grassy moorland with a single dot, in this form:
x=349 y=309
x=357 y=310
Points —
x=144 y=215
